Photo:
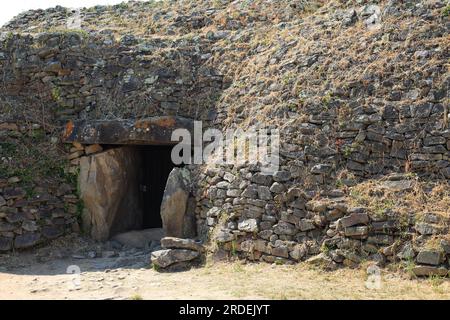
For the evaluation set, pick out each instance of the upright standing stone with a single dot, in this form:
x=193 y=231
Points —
x=109 y=187
x=174 y=202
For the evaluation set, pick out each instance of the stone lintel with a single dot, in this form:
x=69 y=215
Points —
x=149 y=131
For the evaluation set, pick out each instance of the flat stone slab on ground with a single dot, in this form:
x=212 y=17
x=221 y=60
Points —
x=429 y=257
x=167 y=257
x=426 y=271
x=178 y=243
x=398 y=185
x=139 y=238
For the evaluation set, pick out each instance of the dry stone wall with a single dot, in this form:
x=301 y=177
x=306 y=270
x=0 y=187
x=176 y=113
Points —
x=359 y=93
x=52 y=78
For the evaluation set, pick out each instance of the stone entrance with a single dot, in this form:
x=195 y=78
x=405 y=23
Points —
x=132 y=183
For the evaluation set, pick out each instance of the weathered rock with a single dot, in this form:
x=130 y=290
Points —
x=109 y=254
x=52 y=232
x=433 y=140
x=353 y=219
x=298 y=252
x=349 y=17
x=321 y=169
x=281 y=251
x=261 y=245
x=174 y=202
x=190 y=221
x=277 y=188
x=429 y=257
x=262 y=179
x=426 y=228
x=349 y=255
x=224 y=236
x=321 y=260
x=9 y=126
x=247 y=246
x=380 y=239
x=124 y=131
x=401 y=185
x=26 y=240
x=445 y=245
x=167 y=257
x=177 y=243
x=249 y=225
x=426 y=271
x=95 y=148
x=389 y=250
x=387 y=227
x=334 y=214
x=372 y=16
x=75 y=155
x=111 y=200
x=264 y=193
x=306 y=225
x=6 y=244
x=53 y=66
x=6 y=227
x=250 y=192
x=229 y=177
x=407 y=252
x=30 y=226
x=356 y=232
x=281 y=176
x=316 y=206
x=284 y=228
x=13 y=193
x=234 y=193
x=265 y=234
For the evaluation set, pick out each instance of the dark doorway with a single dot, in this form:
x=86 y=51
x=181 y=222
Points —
x=137 y=178
x=156 y=166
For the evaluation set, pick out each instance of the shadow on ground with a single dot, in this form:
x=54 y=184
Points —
x=75 y=253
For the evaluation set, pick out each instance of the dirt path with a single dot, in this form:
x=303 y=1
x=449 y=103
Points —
x=49 y=280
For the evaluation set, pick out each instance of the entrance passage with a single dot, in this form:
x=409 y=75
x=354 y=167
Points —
x=132 y=184
x=156 y=166
x=122 y=188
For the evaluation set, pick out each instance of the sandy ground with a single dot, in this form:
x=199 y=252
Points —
x=233 y=280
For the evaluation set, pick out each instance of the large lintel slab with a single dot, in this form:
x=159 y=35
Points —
x=150 y=131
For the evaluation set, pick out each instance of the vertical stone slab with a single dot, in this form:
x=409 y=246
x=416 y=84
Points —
x=190 y=223
x=109 y=187
x=174 y=202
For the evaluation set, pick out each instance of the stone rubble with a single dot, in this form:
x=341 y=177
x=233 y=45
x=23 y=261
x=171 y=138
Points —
x=176 y=252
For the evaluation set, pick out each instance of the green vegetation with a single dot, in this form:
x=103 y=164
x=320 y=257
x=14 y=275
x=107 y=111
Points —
x=326 y=99
x=56 y=94
x=436 y=280
x=347 y=151
x=238 y=268
x=383 y=205
x=325 y=248
x=155 y=267
x=233 y=248
x=279 y=262
x=410 y=266
x=28 y=158
x=136 y=296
